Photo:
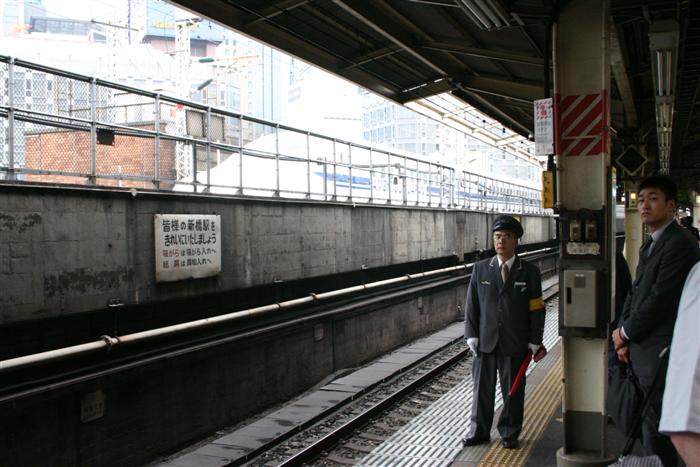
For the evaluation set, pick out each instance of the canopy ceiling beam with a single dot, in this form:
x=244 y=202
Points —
x=480 y=52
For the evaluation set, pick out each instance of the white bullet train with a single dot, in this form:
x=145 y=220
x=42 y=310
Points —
x=353 y=173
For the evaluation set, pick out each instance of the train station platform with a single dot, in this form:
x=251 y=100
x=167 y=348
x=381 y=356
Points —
x=543 y=432
x=434 y=436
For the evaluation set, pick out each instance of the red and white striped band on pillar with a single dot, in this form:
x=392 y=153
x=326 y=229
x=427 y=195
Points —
x=581 y=124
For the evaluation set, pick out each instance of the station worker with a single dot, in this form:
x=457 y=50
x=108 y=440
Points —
x=504 y=318
x=650 y=310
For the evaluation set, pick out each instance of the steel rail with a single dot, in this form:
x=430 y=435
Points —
x=83 y=374
x=107 y=342
x=331 y=439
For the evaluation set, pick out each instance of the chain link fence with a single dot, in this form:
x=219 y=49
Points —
x=61 y=127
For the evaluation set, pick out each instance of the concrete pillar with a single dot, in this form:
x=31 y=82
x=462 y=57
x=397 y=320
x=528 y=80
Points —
x=634 y=230
x=586 y=207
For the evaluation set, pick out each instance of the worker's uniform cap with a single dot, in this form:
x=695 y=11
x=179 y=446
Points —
x=508 y=223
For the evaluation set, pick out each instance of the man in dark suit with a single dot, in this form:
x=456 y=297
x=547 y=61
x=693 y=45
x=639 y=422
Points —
x=623 y=283
x=504 y=317
x=687 y=222
x=649 y=313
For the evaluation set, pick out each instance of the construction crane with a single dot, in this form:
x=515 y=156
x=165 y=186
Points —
x=183 y=150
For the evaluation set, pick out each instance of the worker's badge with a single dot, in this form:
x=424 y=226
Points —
x=485 y=283
x=521 y=285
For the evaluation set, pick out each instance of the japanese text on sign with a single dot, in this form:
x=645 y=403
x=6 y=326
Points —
x=544 y=127
x=187 y=246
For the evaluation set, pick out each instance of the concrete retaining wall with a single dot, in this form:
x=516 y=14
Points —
x=66 y=250
x=156 y=409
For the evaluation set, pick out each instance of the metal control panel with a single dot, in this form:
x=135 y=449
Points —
x=583 y=233
x=580 y=298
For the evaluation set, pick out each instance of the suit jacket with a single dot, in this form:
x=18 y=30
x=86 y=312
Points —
x=509 y=315
x=651 y=307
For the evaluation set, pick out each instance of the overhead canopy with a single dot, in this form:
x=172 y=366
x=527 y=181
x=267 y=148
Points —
x=488 y=54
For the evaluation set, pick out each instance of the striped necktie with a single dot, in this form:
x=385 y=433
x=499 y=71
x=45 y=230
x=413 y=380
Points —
x=504 y=272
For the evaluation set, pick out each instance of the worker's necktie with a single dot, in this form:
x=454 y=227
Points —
x=646 y=248
x=504 y=272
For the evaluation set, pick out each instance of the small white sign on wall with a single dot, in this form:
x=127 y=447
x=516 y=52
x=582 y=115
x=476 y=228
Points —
x=544 y=127
x=187 y=246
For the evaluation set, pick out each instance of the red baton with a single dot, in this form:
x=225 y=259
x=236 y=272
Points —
x=541 y=352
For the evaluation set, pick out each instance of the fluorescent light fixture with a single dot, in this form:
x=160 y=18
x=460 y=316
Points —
x=486 y=14
x=663 y=114
x=665 y=71
x=663 y=45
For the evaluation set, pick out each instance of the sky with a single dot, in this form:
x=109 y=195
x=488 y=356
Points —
x=101 y=10
x=324 y=91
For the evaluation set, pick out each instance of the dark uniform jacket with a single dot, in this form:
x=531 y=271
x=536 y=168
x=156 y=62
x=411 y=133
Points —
x=651 y=307
x=511 y=314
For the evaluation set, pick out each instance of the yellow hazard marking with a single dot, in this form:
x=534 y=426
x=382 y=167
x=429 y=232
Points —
x=548 y=189
x=539 y=408
x=536 y=304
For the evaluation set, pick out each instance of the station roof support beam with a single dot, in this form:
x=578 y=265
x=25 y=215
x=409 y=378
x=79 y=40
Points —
x=388 y=22
x=582 y=145
x=503 y=55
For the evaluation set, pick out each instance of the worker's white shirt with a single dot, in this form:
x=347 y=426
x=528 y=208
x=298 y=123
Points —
x=509 y=262
x=681 y=405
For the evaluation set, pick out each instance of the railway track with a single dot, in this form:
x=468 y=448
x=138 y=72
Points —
x=65 y=372
x=355 y=430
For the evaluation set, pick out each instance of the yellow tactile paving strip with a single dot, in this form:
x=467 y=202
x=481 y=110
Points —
x=434 y=438
x=539 y=408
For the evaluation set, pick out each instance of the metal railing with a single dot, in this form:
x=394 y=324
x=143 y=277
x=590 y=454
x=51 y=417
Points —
x=62 y=127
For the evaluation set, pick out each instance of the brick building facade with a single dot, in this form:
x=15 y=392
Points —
x=68 y=151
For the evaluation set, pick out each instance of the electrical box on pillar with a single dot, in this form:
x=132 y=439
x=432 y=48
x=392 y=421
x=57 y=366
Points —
x=580 y=291
x=583 y=233
x=585 y=258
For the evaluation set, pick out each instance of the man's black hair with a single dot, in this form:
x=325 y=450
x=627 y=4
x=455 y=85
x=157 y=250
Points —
x=663 y=183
